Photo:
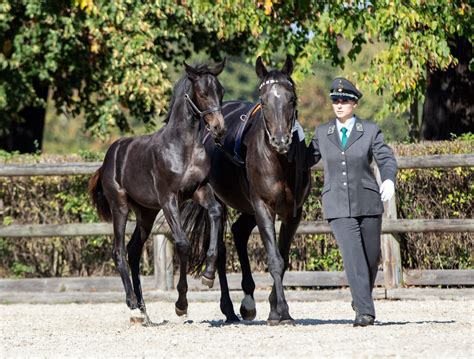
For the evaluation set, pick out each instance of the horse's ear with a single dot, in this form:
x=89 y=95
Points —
x=191 y=72
x=288 y=67
x=260 y=68
x=216 y=70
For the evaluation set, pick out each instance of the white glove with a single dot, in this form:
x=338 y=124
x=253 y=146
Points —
x=387 y=190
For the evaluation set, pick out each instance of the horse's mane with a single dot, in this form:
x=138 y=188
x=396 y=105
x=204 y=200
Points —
x=184 y=86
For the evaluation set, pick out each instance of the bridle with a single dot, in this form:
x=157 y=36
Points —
x=201 y=115
x=197 y=111
x=293 y=115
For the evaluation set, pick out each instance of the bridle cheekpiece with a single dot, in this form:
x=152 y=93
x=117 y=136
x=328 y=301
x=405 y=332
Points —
x=197 y=111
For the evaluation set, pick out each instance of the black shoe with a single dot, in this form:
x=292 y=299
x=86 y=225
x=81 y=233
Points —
x=363 y=320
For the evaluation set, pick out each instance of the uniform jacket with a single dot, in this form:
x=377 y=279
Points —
x=350 y=188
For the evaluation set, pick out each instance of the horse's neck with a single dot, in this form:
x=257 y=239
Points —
x=262 y=150
x=182 y=122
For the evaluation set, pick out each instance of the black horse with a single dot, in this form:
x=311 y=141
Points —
x=274 y=179
x=147 y=174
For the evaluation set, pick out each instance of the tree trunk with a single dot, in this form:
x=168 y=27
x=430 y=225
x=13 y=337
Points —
x=26 y=134
x=449 y=106
x=414 y=122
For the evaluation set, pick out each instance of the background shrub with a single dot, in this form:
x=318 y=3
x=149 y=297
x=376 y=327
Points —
x=428 y=193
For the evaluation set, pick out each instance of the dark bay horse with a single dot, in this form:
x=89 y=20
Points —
x=274 y=181
x=156 y=172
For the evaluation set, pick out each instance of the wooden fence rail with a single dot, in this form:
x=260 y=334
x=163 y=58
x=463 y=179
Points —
x=87 y=168
x=308 y=227
x=392 y=275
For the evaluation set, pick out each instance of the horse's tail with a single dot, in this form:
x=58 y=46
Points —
x=98 y=198
x=196 y=224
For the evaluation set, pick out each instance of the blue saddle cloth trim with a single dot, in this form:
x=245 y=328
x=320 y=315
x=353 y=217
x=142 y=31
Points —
x=237 y=157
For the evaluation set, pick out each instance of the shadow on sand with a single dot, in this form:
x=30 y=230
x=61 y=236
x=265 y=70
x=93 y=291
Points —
x=313 y=322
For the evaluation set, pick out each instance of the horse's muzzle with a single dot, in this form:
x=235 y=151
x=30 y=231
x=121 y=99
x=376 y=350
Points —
x=216 y=125
x=218 y=131
x=281 y=143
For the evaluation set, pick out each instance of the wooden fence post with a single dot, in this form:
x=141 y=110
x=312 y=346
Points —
x=163 y=262
x=391 y=258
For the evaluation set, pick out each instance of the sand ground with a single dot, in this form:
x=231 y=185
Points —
x=404 y=328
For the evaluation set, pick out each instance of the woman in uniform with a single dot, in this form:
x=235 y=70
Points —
x=352 y=199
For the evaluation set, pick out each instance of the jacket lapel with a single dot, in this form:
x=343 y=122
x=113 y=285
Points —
x=356 y=133
x=333 y=136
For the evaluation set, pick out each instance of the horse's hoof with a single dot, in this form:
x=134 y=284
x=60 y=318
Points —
x=288 y=321
x=180 y=312
x=248 y=314
x=132 y=302
x=274 y=318
x=273 y=322
x=136 y=317
x=207 y=281
x=232 y=319
x=135 y=320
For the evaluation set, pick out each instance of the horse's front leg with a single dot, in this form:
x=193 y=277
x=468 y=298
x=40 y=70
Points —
x=287 y=233
x=205 y=197
x=172 y=215
x=266 y=225
x=226 y=305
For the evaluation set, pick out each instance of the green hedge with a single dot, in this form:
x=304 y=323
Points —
x=430 y=193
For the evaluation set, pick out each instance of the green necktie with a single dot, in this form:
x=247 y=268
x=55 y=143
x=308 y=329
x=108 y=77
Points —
x=344 y=136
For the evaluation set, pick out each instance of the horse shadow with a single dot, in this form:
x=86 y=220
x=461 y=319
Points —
x=416 y=322
x=316 y=322
x=298 y=322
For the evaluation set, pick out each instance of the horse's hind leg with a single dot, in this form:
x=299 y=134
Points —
x=120 y=211
x=241 y=231
x=172 y=215
x=145 y=219
x=226 y=305
x=205 y=197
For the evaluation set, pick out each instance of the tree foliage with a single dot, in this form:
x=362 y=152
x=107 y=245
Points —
x=417 y=35
x=110 y=60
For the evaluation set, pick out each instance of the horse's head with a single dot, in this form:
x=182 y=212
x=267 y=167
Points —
x=278 y=100
x=207 y=96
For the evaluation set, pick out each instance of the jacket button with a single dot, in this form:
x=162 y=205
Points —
x=342 y=152
x=343 y=163
x=345 y=183
x=343 y=173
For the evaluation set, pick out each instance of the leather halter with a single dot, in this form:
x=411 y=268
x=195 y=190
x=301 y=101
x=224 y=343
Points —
x=197 y=111
x=201 y=115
